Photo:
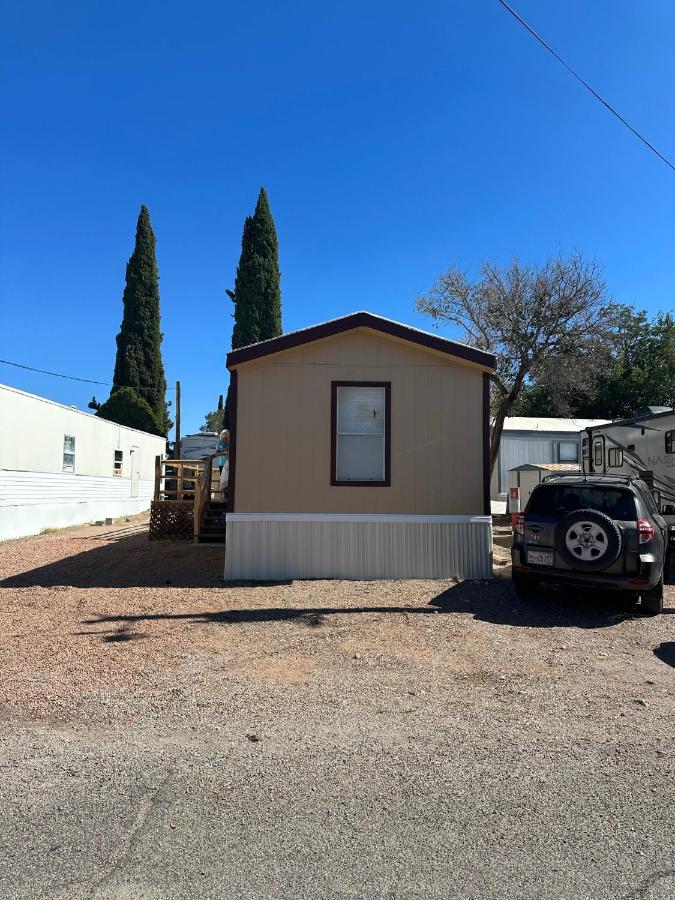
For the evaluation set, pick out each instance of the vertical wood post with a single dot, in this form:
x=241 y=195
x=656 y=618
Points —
x=158 y=475
x=176 y=449
x=196 y=516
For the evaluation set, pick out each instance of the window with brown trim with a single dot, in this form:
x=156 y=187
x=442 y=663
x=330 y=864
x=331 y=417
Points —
x=360 y=433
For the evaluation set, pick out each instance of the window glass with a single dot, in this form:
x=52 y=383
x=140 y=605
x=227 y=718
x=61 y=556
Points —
x=615 y=458
x=360 y=433
x=568 y=451
x=670 y=441
x=360 y=457
x=558 y=500
x=598 y=455
x=119 y=462
x=68 y=453
x=360 y=410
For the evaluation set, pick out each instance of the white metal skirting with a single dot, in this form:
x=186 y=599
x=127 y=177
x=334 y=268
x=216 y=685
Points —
x=274 y=547
x=33 y=501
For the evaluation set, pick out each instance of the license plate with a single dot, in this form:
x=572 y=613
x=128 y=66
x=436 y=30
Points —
x=540 y=557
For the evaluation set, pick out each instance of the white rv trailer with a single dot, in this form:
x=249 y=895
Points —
x=643 y=447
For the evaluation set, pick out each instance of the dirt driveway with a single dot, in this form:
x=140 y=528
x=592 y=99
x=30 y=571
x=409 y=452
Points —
x=167 y=736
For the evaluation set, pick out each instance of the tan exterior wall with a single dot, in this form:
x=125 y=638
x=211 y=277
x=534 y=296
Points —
x=283 y=451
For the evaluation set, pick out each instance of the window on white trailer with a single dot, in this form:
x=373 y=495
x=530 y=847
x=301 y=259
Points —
x=568 y=451
x=615 y=458
x=68 y=453
x=360 y=438
x=118 y=464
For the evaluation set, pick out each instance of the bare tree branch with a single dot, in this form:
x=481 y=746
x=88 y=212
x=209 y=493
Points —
x=554 y=323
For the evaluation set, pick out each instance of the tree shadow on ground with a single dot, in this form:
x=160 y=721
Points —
x=494 y=601
x=128 y=560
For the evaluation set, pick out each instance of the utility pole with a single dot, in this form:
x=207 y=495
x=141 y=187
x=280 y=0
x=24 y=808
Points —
x=176 y=449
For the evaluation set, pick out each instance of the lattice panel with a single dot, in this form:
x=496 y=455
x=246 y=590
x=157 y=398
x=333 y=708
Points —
x=171 y=519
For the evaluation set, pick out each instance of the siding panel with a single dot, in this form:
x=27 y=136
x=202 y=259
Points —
x=276 y=547
x=32 y=501
x=283 y=430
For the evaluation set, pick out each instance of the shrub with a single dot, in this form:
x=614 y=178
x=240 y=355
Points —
x=125 y=407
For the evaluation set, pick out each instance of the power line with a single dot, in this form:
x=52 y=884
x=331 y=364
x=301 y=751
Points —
x=586 y=84
x=17 y=365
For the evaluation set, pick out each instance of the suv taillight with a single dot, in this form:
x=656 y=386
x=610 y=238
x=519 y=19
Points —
x=645 y=531
x=519 y=524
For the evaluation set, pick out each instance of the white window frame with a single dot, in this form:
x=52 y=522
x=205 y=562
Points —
x=574 y=444
x=118 y=464
x=69 y=467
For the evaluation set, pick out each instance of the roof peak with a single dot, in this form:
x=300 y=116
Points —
x=360 y=319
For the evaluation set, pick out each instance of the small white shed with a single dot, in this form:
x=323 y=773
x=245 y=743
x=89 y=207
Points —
x=527 y=476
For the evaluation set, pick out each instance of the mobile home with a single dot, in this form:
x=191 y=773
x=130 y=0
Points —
x=60 y=466
x=359 y=449
x=537 y=440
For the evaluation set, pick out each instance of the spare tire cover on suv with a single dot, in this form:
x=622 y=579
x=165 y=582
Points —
x=589 y=540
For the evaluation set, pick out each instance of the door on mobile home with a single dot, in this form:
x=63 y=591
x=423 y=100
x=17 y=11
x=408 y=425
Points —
x=135 y=469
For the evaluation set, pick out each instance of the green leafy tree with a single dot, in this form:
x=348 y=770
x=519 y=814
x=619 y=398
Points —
x=125 y=407
x=214 y=420
x=138 y=364
x=257 y=287
x=640 y=371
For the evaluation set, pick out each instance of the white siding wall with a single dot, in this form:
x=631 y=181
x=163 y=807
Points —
x=272 y=547
x=517 y=449
x=35 y=492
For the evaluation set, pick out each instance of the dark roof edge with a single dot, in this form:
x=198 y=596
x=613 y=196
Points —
x=360 y=320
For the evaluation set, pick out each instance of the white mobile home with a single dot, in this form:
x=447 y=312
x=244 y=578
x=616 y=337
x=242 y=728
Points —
x=537 y=440
x=60 y=466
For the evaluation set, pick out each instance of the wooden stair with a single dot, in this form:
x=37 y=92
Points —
x=212 y=530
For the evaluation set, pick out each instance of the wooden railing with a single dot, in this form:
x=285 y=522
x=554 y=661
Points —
x=188 y=482
x=202 y=495
x=177 y=479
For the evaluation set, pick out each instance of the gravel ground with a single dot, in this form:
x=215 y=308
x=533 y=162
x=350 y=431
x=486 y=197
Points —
x=165 y=736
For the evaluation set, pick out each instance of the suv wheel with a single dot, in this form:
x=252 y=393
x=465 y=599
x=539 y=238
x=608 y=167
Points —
x=652 y=601
x=589 y=540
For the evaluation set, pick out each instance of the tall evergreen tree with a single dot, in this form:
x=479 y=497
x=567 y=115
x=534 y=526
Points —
x=257 y=287
x=138 y=364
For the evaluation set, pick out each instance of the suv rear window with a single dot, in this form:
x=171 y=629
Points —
x=561 y=499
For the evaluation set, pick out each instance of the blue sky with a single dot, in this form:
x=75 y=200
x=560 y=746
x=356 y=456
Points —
x=394 y=139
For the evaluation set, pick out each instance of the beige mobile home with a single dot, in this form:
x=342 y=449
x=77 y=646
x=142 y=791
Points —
x=60 y=466
x=359 y=449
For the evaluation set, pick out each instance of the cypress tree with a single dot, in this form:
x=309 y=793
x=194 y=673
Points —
x=257 y=287
x=138 y=364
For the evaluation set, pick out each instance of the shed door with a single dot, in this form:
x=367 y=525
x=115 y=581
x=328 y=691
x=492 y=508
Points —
x=135 y=469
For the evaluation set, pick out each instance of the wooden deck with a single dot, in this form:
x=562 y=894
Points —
x=188 y=503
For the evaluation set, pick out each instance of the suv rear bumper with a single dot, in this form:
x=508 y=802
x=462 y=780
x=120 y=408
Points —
x=647 y=576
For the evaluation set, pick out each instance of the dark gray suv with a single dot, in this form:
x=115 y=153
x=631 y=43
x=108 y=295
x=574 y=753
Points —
x=602 y=531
